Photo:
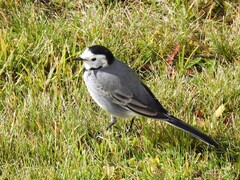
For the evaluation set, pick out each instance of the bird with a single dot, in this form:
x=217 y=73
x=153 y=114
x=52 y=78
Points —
x=117 y=89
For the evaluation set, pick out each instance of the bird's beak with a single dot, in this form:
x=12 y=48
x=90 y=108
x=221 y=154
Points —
x=78 y=59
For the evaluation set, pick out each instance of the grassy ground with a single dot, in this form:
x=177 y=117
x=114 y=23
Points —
x=187 y=53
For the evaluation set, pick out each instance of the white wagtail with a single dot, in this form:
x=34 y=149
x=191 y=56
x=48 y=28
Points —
x=118 y=90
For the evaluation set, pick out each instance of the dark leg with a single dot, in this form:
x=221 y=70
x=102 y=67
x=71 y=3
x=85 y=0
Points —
x=129 y=128
x=112 y=122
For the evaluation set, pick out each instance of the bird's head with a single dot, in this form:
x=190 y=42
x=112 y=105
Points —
x=96 y=57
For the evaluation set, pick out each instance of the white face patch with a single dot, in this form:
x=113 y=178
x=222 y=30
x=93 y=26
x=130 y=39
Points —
x=93 y=60
x=86 y=54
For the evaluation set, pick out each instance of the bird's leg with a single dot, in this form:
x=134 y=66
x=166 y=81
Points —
x=129 y=128
x=112 y=122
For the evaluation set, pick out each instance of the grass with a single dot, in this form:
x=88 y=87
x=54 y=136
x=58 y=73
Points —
x=47 y=116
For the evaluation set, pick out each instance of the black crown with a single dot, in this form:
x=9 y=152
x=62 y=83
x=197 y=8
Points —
x=98 y=49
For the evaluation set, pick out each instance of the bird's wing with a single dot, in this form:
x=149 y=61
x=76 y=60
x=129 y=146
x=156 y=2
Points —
x=133 y=104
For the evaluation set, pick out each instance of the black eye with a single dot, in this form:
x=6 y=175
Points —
x=93 y=59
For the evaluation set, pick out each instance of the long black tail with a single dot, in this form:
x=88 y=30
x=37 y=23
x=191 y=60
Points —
x=189 y=129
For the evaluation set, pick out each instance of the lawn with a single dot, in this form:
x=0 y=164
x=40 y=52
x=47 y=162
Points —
x=188 y=53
